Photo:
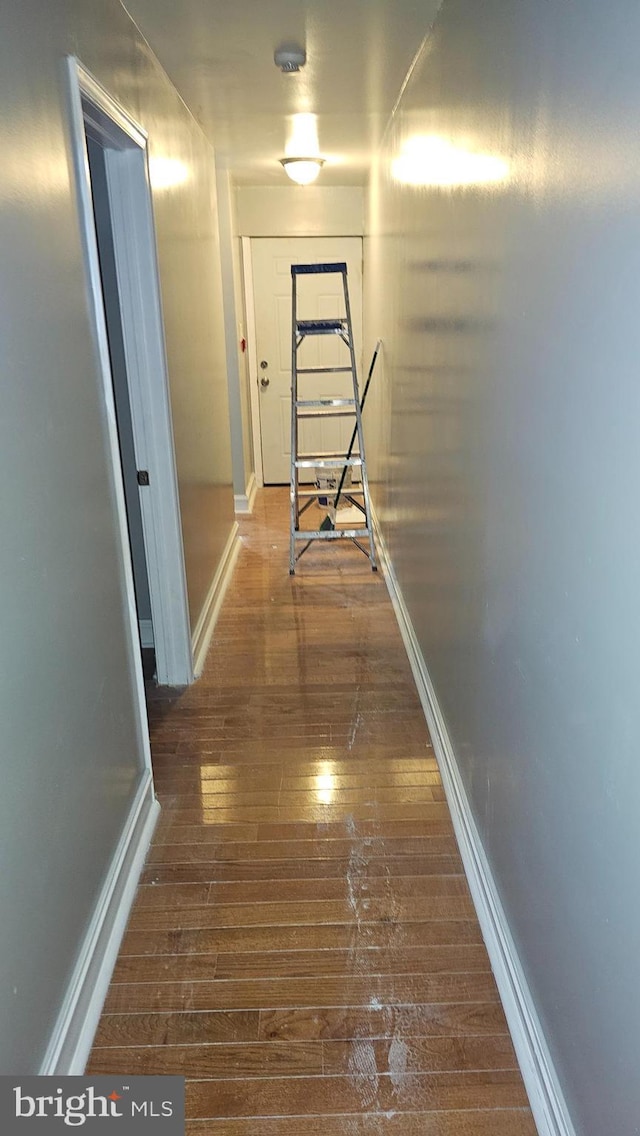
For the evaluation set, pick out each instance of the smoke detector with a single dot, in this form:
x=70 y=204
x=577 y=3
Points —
x=290 y=59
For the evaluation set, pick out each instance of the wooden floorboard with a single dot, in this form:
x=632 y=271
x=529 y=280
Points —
x=492 y=1122
x=274 y=939
x=190 y=966
x=190 y=914
x=303 y=948
x=363 y=1090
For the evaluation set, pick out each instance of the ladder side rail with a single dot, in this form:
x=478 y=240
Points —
x=294 y=513
x=361 y=447
x=365 y=392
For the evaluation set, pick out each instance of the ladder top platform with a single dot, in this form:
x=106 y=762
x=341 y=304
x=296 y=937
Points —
x=312 y=269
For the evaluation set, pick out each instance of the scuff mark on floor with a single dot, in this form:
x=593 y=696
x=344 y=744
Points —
x=363 y=1072
x=357 y=722
x=358 y=887
x=357 y=879
x=398 y=1056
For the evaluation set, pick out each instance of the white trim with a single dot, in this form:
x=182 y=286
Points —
x=207 y=620
x=252 y=353
x=100 y=97
x=75 y=1028
x=548 y=1105
x=94 y=281
x=146 y=632
x=252 y=491
x=244 y=502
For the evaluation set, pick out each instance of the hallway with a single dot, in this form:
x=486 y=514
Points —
x=303 y=948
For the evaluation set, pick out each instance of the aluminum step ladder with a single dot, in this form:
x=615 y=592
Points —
x=303 y=497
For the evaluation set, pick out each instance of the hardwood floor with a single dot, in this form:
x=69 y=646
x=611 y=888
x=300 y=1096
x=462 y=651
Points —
x=303 y=947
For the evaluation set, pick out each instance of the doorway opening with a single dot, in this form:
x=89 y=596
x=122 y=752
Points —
x=110 y=157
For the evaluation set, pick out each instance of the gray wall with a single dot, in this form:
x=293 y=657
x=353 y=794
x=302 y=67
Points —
x=71 y=757
x=507 y=470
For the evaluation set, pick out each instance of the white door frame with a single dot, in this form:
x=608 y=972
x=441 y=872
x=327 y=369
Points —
x=126 y=161
x=252 y=352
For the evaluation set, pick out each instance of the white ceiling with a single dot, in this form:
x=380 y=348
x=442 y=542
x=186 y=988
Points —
x=219 y=54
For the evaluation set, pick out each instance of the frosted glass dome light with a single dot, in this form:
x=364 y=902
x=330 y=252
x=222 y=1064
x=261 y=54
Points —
x=302 y=170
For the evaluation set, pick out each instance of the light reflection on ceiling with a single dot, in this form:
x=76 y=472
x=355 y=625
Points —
x=302 y=136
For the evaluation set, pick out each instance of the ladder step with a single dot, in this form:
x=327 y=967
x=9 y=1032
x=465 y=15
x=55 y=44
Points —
x=307 y=462
x=332 y=534
x=323 y=370
x=326 y=402
x=352 y=491
x=312 y=269
x=321 y=327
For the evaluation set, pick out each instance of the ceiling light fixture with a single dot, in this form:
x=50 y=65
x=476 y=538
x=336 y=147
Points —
x=302 y=170
x=290 y=59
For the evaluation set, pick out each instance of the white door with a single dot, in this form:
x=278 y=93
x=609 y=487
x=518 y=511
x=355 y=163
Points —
x=319 y=297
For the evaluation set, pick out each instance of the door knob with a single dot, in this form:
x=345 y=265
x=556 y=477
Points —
x=264 y=382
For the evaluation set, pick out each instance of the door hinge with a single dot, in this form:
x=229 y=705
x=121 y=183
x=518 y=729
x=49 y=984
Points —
x=143 y=477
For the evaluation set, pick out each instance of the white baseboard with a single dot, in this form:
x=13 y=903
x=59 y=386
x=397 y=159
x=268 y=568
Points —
x=73 y=1034
x=146 y=633
x=207 y=621
x=545 y=1095
x=244 y=502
